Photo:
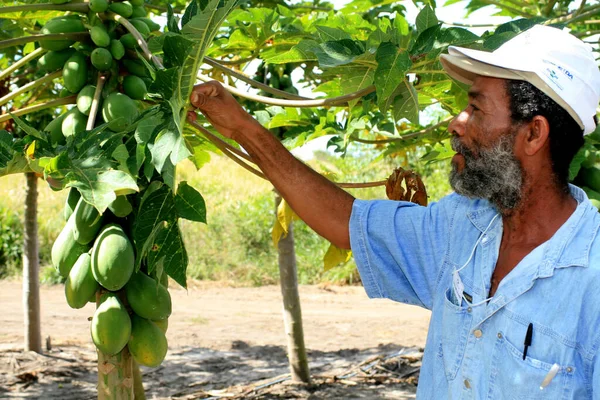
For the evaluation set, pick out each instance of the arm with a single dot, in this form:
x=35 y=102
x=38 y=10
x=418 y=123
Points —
x=325 y=207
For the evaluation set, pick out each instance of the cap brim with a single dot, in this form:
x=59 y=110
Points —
x=465 y=64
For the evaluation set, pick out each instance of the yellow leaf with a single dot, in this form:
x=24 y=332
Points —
x=335 y=256
x=31 y=150
x=285 y=216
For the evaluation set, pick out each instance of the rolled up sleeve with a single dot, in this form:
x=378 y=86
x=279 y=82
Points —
x=399 y=247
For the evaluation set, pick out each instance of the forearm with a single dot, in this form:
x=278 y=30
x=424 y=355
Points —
x=325 y=207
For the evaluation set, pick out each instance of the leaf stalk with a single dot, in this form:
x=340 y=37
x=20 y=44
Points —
x=22 y=61
x=31 y=85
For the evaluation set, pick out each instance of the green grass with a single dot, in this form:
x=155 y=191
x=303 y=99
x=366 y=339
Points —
x=235 y=246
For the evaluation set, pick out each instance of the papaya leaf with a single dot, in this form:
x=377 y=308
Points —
x=168 y=144
x=30 y=130
x=426 y=19
x=168 y=248
x=285 y=216
x=189 y=203
x=335 y=256
x=172 y=20
x=6 y=148
x=392 y=65
x=406 y=103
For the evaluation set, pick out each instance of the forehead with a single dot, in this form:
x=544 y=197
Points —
x=490 y=91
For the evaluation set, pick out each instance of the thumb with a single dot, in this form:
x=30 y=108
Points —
x=197 y=99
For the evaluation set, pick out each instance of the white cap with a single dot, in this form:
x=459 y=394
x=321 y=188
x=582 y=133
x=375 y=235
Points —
x=554 y=61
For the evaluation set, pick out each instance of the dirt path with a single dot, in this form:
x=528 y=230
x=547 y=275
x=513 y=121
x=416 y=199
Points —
x=218 y=337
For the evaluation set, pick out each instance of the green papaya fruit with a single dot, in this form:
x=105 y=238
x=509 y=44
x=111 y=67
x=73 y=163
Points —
x=139 y=12
x=111 y=325
x=71 y=202
x=85 y=98
x=163 y=325
x=141 y=27
x=119 y=111
x=129 y=41
x=148 y=344
x=54 y=129
x=64 y=24
x=65 y=250
x=64 y=93
x=113 y=259
x=136 y=67
x=80 y=285
x=147 y=298
x=591 y=177
x=153 y=26
x=88 y=222
x=117 y=49
x=121 y=207
x=134 y=87
x=75 y=72
x=124 y=8
x=98 y=6
x=137 y=3
x=101 y=59
x=100 y=36
x=73 y=123
x=54 y=60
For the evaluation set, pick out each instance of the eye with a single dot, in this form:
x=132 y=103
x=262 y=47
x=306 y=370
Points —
x=474 y=107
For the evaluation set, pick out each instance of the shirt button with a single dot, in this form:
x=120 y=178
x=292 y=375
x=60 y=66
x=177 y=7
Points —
x=469 y=309
x=499 y=335
x=569 y=369
x=485 y=239
x=467 y=384
x=477 y=333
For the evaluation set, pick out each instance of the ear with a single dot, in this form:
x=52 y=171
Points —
x=536 y=135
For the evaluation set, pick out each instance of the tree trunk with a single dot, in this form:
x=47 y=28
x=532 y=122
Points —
x=31 y=267
x=292 y=313
x=115 y=376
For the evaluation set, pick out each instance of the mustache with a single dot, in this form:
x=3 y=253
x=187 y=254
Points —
x=460 y=148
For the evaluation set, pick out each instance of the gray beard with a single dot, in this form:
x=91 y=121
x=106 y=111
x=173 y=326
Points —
x=494 y=174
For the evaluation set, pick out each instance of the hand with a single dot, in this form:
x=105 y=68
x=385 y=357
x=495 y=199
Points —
x=220 y=108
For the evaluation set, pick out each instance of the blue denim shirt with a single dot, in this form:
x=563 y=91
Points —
x=408 y=253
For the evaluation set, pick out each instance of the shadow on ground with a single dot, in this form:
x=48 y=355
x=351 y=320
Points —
x=243 y=372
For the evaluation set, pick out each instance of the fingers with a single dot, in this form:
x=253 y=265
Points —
x=192 y=116
x=201 y=93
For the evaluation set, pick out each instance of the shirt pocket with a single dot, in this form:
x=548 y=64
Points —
x=456 y=323
x=513 y=378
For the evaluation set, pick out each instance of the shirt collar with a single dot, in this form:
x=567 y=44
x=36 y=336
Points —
x=577 y=233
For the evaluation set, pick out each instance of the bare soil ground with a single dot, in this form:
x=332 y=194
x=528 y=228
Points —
x=228 y=343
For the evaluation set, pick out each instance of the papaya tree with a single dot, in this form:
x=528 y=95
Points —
x=129 y=79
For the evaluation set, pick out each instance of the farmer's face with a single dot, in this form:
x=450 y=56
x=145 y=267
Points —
x=485 y=165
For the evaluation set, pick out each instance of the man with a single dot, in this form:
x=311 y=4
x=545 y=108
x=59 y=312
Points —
x=510 y=263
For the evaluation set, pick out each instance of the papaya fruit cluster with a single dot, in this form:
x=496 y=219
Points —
x=94 y=252
x=95 y=255
x=109 y=50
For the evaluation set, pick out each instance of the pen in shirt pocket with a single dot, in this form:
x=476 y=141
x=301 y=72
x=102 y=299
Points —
x=550 y=375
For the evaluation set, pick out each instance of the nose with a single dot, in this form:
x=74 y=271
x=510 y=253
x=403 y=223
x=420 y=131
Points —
x=458 y=124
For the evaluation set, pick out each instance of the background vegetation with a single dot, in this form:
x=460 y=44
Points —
x=235 y=246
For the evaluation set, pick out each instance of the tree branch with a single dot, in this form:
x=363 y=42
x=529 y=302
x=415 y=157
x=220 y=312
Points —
x=78 y=7
x=580 y=9
x=330 y=102
x=215 y=139
x=586 y=33
x=31 y=85
x=42 y=106
x=138 y=37
x=236 y=154
x=406 y=136
x=513 y=10
x=22 y=61
x=95 y=102
x=549 y=7
x=35 y=38
x=213 y=63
